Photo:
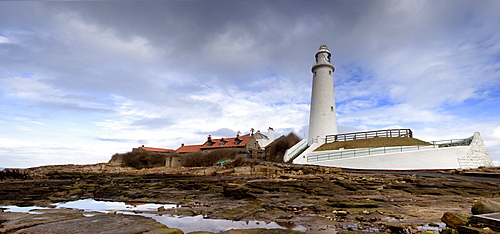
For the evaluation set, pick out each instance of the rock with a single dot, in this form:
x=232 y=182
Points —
x=161 y=208
x=12 y=221
x=112 y=212
x=237 y=191
x=473 y=230
x=454 y=219
x=261 y=231
x=396 y=227
x=449 y=231
x=103 y=224
x=485 y=207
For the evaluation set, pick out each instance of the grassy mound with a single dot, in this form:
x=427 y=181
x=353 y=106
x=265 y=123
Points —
x=372 y=143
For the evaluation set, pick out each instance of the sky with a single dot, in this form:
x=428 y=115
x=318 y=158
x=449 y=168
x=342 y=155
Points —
x=83 y=80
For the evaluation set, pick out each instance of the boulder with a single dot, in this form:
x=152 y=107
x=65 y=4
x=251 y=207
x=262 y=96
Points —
x=485 y=207
x=235 y=190
x=454 y=219
x=396 y=227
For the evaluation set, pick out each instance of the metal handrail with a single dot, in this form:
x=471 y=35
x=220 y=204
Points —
x=338 y=154
x=369 y=134
x=295 y=148
x=300 y=149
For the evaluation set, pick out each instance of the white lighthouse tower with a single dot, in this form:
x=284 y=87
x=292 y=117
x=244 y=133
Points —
x=323 y=116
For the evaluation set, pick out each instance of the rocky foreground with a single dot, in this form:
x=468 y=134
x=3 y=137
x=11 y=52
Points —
x=321 y=199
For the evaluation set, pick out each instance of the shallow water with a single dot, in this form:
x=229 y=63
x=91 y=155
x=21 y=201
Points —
x=185 y=223
x=106 y=206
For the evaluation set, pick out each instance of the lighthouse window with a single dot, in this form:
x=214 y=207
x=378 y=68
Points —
x=314 y=73
x=330 y=72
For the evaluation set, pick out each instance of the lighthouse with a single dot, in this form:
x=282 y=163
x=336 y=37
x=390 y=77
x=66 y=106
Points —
x=322 y=116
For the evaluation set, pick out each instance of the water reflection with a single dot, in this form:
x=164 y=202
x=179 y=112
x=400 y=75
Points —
x=198 y=223
x=106 y=206
x=186 y=224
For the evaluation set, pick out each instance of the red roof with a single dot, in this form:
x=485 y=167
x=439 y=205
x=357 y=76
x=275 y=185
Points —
x=226 y=142
x=157 y=149
x=188 y=149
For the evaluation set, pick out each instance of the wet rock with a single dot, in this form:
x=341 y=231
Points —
x=473 y=230
x=103 y=224
x=359 y=232
x=396 y=227
x=237 y=191
x=454 y=219
x=261 y=231
x=449 y=231
x=11 y=221
x=485 y=207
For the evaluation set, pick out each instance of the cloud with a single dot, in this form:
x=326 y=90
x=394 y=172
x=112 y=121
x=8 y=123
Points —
x=171 y=72
x=222 y=132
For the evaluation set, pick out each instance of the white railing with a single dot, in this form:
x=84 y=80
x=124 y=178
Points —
x=349 y=153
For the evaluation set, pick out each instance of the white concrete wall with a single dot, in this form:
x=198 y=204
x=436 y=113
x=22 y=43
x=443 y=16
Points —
x=289 y=153
x=435 y=159
x=477 y=156
x=302 y=158
x=458 y=157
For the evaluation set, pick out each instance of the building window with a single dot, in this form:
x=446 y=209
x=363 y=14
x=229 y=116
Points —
x=223 y=142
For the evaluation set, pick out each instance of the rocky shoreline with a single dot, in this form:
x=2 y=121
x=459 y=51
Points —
x=321 y=199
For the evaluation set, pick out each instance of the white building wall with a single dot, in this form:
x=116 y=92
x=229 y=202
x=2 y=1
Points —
x=477 y=156
x=322 y=116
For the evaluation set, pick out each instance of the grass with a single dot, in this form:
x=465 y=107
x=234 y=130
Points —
x=372 y=143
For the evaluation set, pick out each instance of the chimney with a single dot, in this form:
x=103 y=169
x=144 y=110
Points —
x=238 y=134
x=251 y=131
x=270 y=134
x=209 y=138
x=182 y=144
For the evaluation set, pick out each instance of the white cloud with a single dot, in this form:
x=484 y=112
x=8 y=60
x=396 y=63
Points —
x=118 y=77
x=4 y=40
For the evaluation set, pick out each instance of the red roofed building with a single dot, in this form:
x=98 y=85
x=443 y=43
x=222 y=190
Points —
x=188 y=149
x=171 y=160
x=155 y=150
x=245 y=143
